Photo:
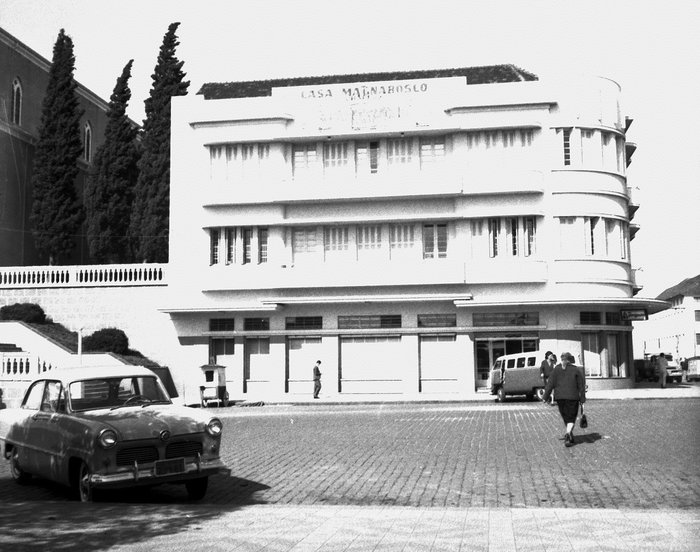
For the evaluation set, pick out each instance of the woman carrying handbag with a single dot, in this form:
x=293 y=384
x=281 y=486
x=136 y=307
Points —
x=569 y=385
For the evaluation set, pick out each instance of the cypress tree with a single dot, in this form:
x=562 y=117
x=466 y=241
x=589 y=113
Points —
x=151 y=212
x=56 y=212
x=109 y=190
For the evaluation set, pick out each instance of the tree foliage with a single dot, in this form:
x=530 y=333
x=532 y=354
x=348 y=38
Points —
x=57 y=214
x=151 y=212
x=23 y=312
x=110 y=186
x=107 y=340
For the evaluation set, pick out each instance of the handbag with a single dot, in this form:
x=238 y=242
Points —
x=584 y=419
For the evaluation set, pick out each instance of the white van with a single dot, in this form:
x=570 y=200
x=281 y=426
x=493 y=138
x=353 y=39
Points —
x=518 y=374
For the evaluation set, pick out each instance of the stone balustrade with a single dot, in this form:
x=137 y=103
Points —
x=152 y=274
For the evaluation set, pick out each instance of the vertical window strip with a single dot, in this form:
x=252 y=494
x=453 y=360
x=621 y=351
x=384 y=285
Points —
x=214 y=236
x=262 y=245
x=428 y=241
x=373 y=157
x=590 y=229
x=335 y=154
x=400 y=151
x=432 y=149
x=304 y=240
x=434 y=241
x=335 y=238
x=304 y=156
x=441 y=240
x=401 y=236
x=526 y=137
x=247 y=234
x=586 y=146
x=566 y=133
x=369 y=237
x=610 y=242
x=529 y=223
x=230 y=245
x=494 y=236
x=512 y=230
x=508 y=137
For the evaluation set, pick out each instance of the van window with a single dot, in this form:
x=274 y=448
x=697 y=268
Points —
x=497 y=366
x=531 y=361
x=521 y=362
x=511 y=363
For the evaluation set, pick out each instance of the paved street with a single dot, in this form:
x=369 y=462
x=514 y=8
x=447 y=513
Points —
x=495 y=476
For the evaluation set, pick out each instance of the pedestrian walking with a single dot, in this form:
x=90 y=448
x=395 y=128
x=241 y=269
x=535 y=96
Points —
x=568 y=383
x=317 y=379
x=550 y=360
x=661 y=366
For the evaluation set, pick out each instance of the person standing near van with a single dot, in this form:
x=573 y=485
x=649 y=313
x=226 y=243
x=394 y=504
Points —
x=569 y=384
x=550 y=360
x=661 y=366
x=317 y=379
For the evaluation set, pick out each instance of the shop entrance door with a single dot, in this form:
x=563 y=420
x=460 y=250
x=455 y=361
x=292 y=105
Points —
x=488 y=349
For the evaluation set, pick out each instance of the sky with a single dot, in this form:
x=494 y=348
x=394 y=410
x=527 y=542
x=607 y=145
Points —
x=651 y=48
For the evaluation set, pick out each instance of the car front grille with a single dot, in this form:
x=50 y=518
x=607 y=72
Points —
x=183 y=449
x=141 y=455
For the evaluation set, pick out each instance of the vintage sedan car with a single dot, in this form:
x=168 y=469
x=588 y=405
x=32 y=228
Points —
x=109 y=427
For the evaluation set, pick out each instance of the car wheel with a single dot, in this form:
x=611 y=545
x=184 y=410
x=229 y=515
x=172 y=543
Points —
x=18 y=474
x=197 y=488
x=539 y=393
x=84 y=489
x=501 y=394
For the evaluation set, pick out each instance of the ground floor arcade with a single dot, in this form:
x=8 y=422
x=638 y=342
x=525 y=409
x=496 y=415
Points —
x=410 y=354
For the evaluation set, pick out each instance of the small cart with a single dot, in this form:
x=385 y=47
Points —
x=213 y=392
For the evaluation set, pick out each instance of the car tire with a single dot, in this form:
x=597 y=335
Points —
x=197 y=488
x=539 y=393
x=18 y=474
x=501 y=394
x=83 y=488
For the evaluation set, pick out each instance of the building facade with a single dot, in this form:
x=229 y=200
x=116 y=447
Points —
x=24 y=75
x=404 y=228
x=675 y=331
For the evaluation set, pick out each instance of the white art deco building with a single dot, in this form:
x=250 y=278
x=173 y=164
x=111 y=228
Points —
x=404 y=228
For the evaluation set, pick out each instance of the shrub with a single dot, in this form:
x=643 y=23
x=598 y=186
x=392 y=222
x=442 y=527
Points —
x=108 y=340
x=23 y=312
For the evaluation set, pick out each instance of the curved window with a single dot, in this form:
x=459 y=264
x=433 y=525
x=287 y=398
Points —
x=87 y=143
x=16 y=102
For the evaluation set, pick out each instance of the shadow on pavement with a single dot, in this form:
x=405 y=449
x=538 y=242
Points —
x=587 y=438
x=40 y=516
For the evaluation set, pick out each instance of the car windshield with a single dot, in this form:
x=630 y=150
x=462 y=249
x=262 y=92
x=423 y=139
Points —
x=116 y=392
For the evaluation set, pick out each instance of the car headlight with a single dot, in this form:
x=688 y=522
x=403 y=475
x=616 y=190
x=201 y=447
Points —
x=107 y=438
x=214 y=427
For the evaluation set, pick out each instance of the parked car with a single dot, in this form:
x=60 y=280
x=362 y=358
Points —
x=518 y=374
x=109 y=427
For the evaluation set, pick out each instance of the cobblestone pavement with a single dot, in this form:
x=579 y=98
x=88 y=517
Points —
x=635 y=454
x=349 y=477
